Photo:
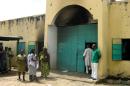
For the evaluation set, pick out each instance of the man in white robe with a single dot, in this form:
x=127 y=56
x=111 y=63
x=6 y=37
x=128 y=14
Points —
x=32 y=65
x=87 y=58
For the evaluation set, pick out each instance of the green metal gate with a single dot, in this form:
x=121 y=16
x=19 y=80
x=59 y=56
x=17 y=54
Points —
x=31 y=45
x=71 y=45
x=21 y=46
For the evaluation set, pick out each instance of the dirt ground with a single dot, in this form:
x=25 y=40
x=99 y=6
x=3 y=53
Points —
x=54 y=79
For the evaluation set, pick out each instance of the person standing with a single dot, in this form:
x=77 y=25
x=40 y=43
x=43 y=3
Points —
x=45 y=63
x=21 y=64
x=7 y=59
x=10 y=55
x=32 y=65
x=2 y=60
x=87 y=59
x=96 y=55
x=1 y=57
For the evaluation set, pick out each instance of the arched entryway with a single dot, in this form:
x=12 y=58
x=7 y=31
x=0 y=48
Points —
x=75 y=28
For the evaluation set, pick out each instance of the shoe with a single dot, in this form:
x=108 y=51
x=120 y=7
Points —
x=94 y=79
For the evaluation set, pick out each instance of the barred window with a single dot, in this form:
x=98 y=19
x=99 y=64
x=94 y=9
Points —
x=120 y=49
x=116 y=49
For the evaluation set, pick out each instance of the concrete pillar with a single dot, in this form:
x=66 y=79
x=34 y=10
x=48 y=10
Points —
x=103 y=35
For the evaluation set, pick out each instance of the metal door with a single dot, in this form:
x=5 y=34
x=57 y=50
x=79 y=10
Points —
x=71 y=45
x=67 y=45
x=86 y=33
x=31 y=45
x=21 y=46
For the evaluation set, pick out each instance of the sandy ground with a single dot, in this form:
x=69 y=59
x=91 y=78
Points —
x=54 y=79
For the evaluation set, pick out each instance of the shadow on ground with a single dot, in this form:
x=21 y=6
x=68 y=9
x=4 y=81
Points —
x=75 y=74
x=41 y=80
x=9 y=73
x=81 y=77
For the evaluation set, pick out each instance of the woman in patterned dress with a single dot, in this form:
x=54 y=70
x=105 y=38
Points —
x=21 y=64
x=45 y=63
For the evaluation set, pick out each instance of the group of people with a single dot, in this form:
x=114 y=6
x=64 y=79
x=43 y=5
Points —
x=31 y=62
x=92 y=56
x=6 y=56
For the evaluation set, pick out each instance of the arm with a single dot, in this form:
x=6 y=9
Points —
x=41 y=56
x=16 y=58
x=10 y=54
x=84 y=54
x=49 y=61
x=33 y=58
x=28 y=61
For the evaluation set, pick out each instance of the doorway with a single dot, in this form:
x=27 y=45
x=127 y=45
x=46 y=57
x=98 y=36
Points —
x=71 y=44
x=73 y=28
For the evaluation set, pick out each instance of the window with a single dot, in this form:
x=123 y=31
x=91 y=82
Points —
x=125 y=49
x=121 y=49
x=116 y=49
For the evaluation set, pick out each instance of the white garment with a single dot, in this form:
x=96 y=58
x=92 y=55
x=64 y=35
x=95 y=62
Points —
x=32 y=60
x=32 y=64
x=86 y=69
x=94 y=70
x=32 y=70
x=88 y=55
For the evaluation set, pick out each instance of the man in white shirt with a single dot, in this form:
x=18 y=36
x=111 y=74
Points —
x=87 y=58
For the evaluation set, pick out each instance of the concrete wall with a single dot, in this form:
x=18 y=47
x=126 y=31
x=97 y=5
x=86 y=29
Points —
x=30 y=28
x=113 y=22
x=119 y=26
x=99 y=10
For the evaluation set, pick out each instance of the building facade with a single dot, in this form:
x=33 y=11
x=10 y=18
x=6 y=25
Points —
x=30 y=28
x=72 y=24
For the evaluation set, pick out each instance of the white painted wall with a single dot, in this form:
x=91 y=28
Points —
x=52 y=45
